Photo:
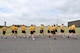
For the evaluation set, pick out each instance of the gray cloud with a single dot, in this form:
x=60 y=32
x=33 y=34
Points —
x=39 y=11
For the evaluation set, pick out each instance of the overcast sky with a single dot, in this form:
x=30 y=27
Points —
x=39 y=11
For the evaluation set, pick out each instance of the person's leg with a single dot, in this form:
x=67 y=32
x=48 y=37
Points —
x=56 y=32
x=63 y=35
x=51 y=36
x=12 y=34
x=75 y=36
x=32 y=33
x=15 y=36
x=72 y=34
x=49 y=33
x=24 y=34
x=33 y=37
x=41 y=33
x=4 y=34
x=68 y=35
x=54 y=35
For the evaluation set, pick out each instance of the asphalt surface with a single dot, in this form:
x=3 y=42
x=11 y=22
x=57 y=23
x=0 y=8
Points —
x=40 y=45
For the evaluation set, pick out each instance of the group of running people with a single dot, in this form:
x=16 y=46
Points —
x=51 y=30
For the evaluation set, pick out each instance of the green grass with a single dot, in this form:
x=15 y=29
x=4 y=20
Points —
x=37 y=30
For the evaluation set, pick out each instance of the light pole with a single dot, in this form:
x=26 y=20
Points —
x=5 y=23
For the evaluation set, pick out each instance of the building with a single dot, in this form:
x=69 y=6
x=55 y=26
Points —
x=76 y=22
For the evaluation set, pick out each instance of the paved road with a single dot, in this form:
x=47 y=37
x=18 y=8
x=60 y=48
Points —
x=40 y=45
